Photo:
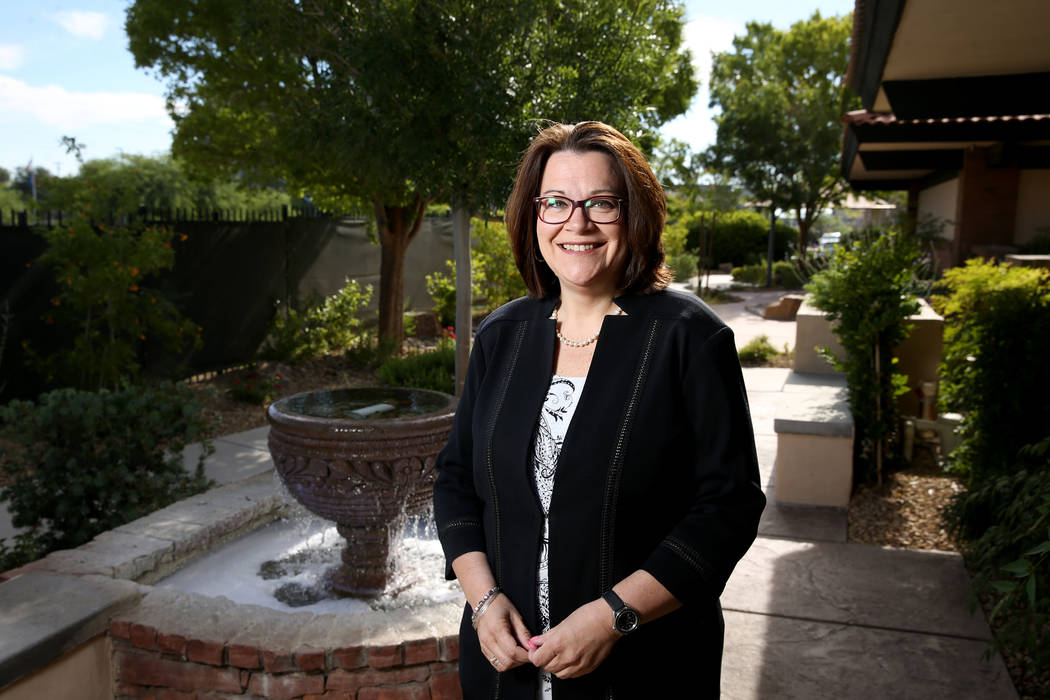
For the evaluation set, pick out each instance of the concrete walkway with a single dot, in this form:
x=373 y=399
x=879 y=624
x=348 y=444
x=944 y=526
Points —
x=807 y=614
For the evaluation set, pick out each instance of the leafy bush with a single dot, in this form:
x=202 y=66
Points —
x=79 y=463
x=739 y=237
x=323 y=327
x=996 y=345
x=758 y=351
x=494 y=277
x=1010 y=559
x=866 y=291
x=784 y=274
x=253 y=387
x=683 y=265
x=106 y=303
x=750 y=274
x=435 y=369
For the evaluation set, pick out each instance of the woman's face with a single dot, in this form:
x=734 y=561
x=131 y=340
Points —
x=584 y=256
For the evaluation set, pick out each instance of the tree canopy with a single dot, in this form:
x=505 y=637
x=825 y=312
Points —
x=402 y=102
x=782 y=95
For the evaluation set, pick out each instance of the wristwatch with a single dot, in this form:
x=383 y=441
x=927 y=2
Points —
x=625 y=618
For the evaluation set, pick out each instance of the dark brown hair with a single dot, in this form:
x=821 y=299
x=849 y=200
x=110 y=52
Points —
x=646 y=205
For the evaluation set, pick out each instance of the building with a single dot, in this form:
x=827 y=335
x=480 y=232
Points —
x=956 y=97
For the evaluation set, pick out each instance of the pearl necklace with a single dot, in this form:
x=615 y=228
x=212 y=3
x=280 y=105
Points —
x=577 y=343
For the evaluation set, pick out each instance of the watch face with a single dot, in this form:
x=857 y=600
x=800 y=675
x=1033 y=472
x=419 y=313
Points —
x=626 y=620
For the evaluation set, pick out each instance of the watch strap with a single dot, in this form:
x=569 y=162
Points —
x=615 y=602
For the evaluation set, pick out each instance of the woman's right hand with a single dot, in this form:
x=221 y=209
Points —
x=503 y=635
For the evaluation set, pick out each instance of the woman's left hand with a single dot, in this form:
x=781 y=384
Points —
x=578 y=644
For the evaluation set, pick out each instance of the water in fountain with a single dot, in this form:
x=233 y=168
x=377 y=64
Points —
x=283 y=566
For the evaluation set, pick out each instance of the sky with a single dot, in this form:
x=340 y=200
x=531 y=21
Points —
x=65 y=70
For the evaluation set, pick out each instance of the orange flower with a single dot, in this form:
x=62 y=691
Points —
x=183 y=236
x=55 y=301
x=167 y=244
x=133 y=288
x=142 y=336
x=134 y=272
x=153 y=300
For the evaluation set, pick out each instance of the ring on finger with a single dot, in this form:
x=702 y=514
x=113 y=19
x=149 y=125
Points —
x=494 y=660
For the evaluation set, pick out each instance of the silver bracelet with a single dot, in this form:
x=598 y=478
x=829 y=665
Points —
x=483 y=605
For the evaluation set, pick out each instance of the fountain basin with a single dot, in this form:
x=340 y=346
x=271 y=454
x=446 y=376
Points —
x=364 y=459
x=166 y=642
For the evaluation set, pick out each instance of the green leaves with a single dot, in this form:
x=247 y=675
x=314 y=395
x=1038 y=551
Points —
x=781 y=95
x=78 y=463
x=867 y=289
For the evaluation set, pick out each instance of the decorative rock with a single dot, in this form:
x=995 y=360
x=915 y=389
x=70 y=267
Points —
x=784 y=309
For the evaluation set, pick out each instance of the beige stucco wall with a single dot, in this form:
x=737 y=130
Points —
x=940 y=201
x=919 y=355
x=813 y=470
x=82 y=673
x=1033 y=204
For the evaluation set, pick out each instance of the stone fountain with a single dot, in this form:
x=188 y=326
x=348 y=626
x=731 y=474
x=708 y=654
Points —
x=364 y=459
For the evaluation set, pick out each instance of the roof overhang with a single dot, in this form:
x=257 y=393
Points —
x=894 y=152
x=954 y=57
x=939 y=76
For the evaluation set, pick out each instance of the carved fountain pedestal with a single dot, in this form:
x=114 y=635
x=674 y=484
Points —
x=363 y=458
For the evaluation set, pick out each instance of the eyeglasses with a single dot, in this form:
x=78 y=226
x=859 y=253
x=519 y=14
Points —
x=603 y=209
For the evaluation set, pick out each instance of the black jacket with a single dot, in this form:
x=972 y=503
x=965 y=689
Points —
x=657 y=472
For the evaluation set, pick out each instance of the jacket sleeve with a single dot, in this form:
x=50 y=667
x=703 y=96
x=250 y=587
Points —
x=457 y=505
x=697 y=556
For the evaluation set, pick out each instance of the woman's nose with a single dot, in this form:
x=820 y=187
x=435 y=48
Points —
x=578 y=219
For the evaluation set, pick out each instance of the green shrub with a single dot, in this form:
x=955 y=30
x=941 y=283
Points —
x=494 y=277
x=107 y=305
x=785 y=274
x=739 y=237
x=683 y=265
x=750 y=274
x=254 y=387
x=994 y=368
x=758 y=351
x=435 y=369
x=1010 y=558
x=323 y=327
x=866 y=291
x=79 y=463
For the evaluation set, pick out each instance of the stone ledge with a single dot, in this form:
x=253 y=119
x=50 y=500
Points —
x=46 y=615
x=814 y=404
x=150 y=548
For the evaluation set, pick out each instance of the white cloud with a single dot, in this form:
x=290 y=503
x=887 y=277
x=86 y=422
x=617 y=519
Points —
x=11 y=56
x=55 y=105
x=88 y=25
x=704 y=35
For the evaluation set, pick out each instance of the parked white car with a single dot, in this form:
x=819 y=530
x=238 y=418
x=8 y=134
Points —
x=828 y=241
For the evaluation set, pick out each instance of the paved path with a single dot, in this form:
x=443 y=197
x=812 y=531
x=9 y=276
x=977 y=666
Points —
x=808 y=615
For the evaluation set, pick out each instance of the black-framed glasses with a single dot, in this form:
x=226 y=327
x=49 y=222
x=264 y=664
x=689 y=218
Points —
x=603 y=209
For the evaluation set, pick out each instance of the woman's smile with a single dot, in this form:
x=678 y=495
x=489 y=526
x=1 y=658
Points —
x=581 y=253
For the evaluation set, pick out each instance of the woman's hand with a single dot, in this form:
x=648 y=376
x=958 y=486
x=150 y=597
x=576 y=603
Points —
x=503 y=635
x=578 y=644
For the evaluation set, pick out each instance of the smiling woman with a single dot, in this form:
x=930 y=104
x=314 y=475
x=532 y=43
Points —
x=582 y=252
x=600 y=482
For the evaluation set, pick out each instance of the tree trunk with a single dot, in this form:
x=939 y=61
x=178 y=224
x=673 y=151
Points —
x=397 y=226
x=769 y=244
x=804 y=224
x=461 y=249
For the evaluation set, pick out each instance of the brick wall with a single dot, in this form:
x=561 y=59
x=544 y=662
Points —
x=151 y=663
